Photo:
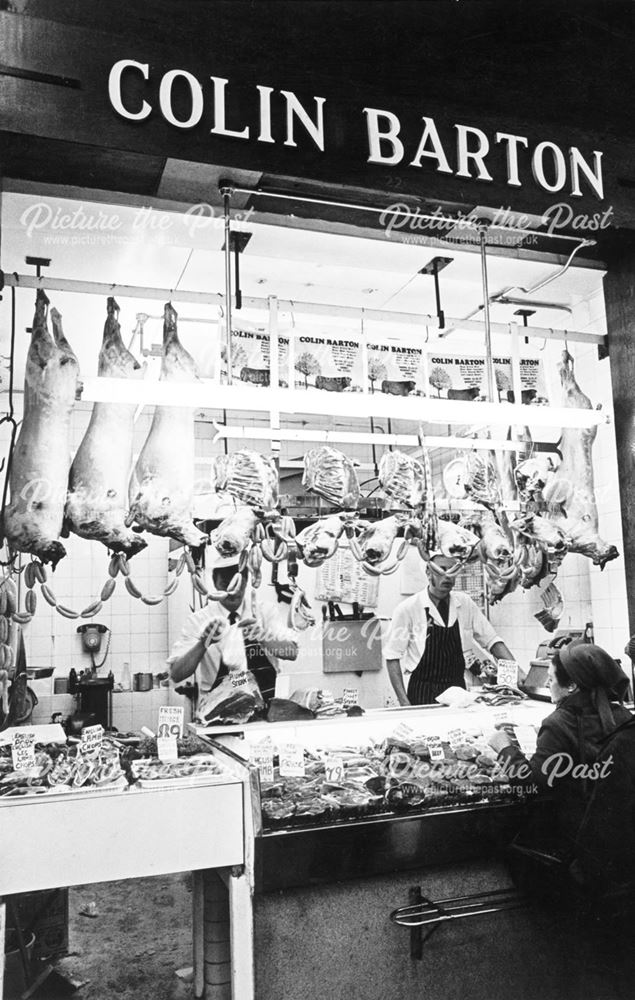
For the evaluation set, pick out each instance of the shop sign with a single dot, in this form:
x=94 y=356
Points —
x=23 y=749
x=140 y=92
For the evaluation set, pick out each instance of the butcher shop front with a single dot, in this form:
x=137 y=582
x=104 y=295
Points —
x=271 y=347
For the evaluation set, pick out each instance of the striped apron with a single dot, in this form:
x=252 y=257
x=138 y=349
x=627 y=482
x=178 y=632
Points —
x=441 y=666
x=258 y=663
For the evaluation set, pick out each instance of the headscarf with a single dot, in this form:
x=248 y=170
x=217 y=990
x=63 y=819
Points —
x=594 y=670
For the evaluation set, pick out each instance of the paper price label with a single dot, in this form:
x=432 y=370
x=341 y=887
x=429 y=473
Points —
x=334 y=767
x=502 y=717
x=402 y=732
x=171 y=718
x=456 y=736
x=167 y=748
x=327 y=698
x=23 y=749
x=507 y=672
x=91 y=740
x=291 y=756
x=527 y=739
x=436 y=749
x=350 y=697
x=261 y=756
x=239 y=679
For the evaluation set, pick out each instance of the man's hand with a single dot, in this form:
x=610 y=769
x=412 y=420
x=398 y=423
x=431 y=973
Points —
x=213 y=631
x=499 y=740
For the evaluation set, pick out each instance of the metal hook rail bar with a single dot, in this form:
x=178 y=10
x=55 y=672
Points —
x=430 y=913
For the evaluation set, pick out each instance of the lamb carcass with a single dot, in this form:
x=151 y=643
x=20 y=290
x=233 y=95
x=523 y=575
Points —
x=571 y=489
x=330 y=474
x=38 y=476
x=97 y=502
x=249 y=477
x=402 y=478
x=162 y=486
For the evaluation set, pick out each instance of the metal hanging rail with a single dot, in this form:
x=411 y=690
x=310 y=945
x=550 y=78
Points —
x=330 y=203
x=216 y=299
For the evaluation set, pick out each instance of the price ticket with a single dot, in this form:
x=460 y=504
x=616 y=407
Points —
x=23 y=749
x=167 y=749
x=261 y=756
x=350 y=697
x=171 y=719
x=334 y=767
x=91 y=740
x=456 y=736
x=436 y=749
x=527 y=739
x=403 y=732
x=291 y=756
x=502 y=717
x=507 y=672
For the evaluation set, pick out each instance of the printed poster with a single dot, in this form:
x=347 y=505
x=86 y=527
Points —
x=459 y=376
x=332 y=363
x=251 y=355
x=395 y=367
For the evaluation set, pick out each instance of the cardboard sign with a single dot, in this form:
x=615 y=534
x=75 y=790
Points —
x=291 y=757
x=166 y=748
x=350 y=697
x=334 y=767
x=261 y=756
x=171 y=719
x=91 y=740
x=23 y=749
x=507 y=672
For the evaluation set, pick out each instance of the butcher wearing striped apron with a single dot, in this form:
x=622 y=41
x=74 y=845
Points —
x=442 y=664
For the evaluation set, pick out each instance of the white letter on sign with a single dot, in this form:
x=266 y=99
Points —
x=314 y=128
x=560 y=165
x=219 y=111
x=375 y=137
x=437 y=152
x=114 y=89
x=478 y=155
x=513 y=142
x=594 y=177
x=165 y=98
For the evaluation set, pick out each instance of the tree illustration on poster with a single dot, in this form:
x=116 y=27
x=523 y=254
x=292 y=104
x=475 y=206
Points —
x=376 y=371
x=439 y=379
x=503 y=382
x=307 y=364
x=239 y=355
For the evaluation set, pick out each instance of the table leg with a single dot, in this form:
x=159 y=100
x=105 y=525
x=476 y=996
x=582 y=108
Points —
x=241 y=915
x=3 y=919
x=198 y=933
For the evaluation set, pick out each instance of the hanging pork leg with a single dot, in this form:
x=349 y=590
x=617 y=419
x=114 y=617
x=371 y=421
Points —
x=162 y=486
x=97 y=501
x=38 y=475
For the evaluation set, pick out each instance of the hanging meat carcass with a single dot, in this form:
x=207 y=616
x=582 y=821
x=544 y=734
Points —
x=570 y=491
x=162 y=485
x=38 y=475
x=402 y=478
x=249 y=477
x=373 y=546
x=319 y=541
x=97 y=502
x=330 y=474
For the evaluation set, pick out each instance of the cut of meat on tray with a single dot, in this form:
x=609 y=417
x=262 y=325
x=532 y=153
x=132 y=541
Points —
x=40 y=462
x=330 y=474
x=97 y=502
x=162 y=485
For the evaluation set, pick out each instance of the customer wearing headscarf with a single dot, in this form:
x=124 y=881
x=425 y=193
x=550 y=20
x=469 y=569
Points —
x=587 y=687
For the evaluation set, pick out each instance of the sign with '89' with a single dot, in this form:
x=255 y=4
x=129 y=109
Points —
x=170 y=721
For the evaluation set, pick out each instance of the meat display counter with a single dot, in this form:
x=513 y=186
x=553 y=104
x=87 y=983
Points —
x=391 y=803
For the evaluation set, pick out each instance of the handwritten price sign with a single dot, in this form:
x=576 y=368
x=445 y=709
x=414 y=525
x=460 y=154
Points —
x=23 y=749
x=171 y=719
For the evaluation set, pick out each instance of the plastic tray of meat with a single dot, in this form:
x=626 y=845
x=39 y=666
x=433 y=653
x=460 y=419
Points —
x=201 y=769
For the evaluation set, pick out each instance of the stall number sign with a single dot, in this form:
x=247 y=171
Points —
x=291 y=756
x=334 y=768
x=507 y=672
x=23 y=750
x=350 y=697
x=261 y=756
x=91 y=740
x=170 y=721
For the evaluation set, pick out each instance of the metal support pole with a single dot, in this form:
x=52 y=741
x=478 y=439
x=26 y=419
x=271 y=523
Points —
x=226 y=192
x=489 y=368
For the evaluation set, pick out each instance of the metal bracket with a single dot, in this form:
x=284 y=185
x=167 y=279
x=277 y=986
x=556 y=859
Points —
x=425 y=912
x=433 y=267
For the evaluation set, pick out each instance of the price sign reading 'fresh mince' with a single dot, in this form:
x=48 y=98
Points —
x=23 y=749
x=91 y=740
x=170 y=721
x=507 y=672
x=291 y=756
